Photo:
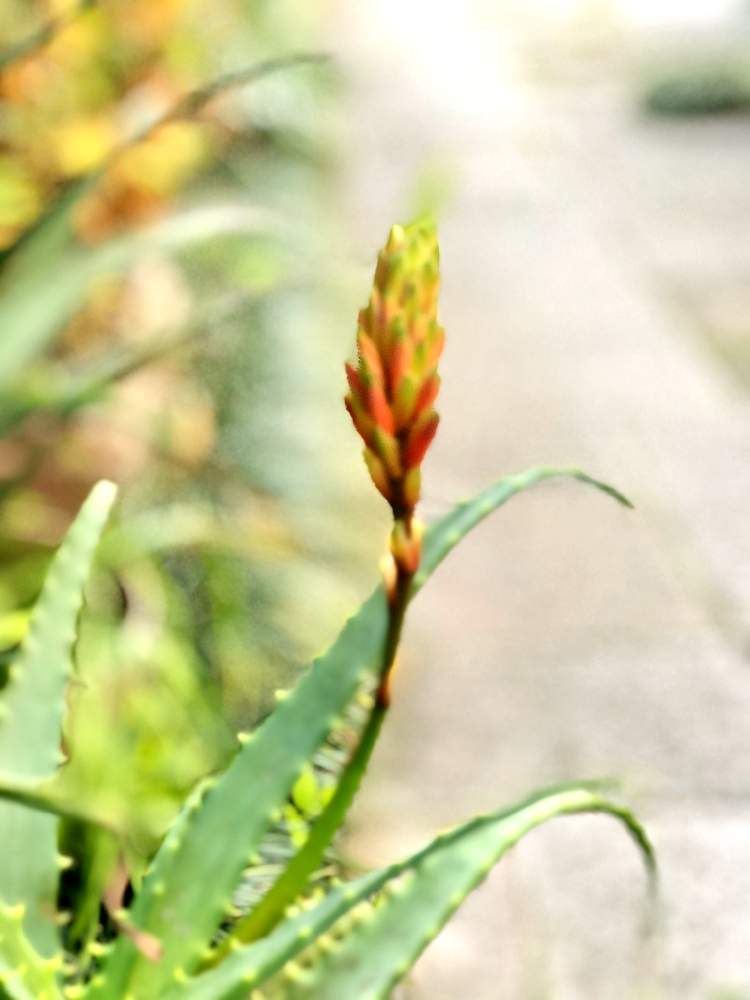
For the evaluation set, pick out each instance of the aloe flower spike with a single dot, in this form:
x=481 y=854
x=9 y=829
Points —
x=392 y=391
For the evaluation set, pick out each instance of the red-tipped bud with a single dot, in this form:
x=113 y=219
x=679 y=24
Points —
x=420 y=438
x=370 y=363
x=355 y=383
x=402 y=354
x=380 y=409
x=360 y=419
x=394 y=384
x=427 y=395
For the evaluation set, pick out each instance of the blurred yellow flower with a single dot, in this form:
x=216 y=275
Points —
x=163 y=163
x=82 y=144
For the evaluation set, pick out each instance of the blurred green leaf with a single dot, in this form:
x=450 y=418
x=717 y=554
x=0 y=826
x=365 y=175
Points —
x=33 y=704
x=31 y=317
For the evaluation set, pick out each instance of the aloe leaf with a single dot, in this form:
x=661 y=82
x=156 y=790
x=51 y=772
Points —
x=32 y=706
x=61 y=392
x=33 y=700
x=369 y=957
x=31 y=320
x=294 y=879
x=189 y=886
x=97 y=854
x=64 y=394
x=438 y=543
x=190 y=883
x=388 y=938
x=24 y=974
x=251 y=965
x=449 y=531
x=194 y=102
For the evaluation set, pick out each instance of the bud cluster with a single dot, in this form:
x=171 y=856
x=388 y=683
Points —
x=394 y=384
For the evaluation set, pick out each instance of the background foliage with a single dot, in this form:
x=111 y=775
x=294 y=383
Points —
x=163 y=309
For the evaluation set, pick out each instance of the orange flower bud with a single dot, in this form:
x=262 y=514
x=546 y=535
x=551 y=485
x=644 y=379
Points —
x=360 y=419
x=394 y=384
x=420 y=438
x=355 y=383
x=370 y=363
x=427 y=395
x=380 y=409
x=378 y=474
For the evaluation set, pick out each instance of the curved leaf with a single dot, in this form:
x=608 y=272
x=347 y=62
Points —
x=438 y=543
x=30 y=319
x=449 y=531
x=370 y=955
x=31 y=713
x=32 y=704
x=190 y=883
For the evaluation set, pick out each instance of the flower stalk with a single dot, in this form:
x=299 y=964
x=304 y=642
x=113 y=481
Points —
x=392 y=390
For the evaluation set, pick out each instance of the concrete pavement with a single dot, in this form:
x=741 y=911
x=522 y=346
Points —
x=583 y=252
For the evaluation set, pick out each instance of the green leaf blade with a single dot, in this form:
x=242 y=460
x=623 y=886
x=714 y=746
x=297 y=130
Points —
x=378 y=952
x=33 y=702
x=190 y=883
x=438 y=543
x=31 y=321
x=375 y=952
x=191 y=880
x=24 y=974
x=448 y=532
x=33 y=706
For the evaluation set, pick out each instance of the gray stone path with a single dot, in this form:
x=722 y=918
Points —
x=567 y=638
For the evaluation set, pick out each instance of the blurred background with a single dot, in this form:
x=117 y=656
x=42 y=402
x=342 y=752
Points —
x=190 y=206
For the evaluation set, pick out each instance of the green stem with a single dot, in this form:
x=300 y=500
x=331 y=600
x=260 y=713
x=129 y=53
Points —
x=295 y=877
x=399 y=604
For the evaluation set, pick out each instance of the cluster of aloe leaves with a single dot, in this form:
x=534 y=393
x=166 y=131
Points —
x=179 y=937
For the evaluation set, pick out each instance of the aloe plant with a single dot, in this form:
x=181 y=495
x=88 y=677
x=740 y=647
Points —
x=181 y=937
